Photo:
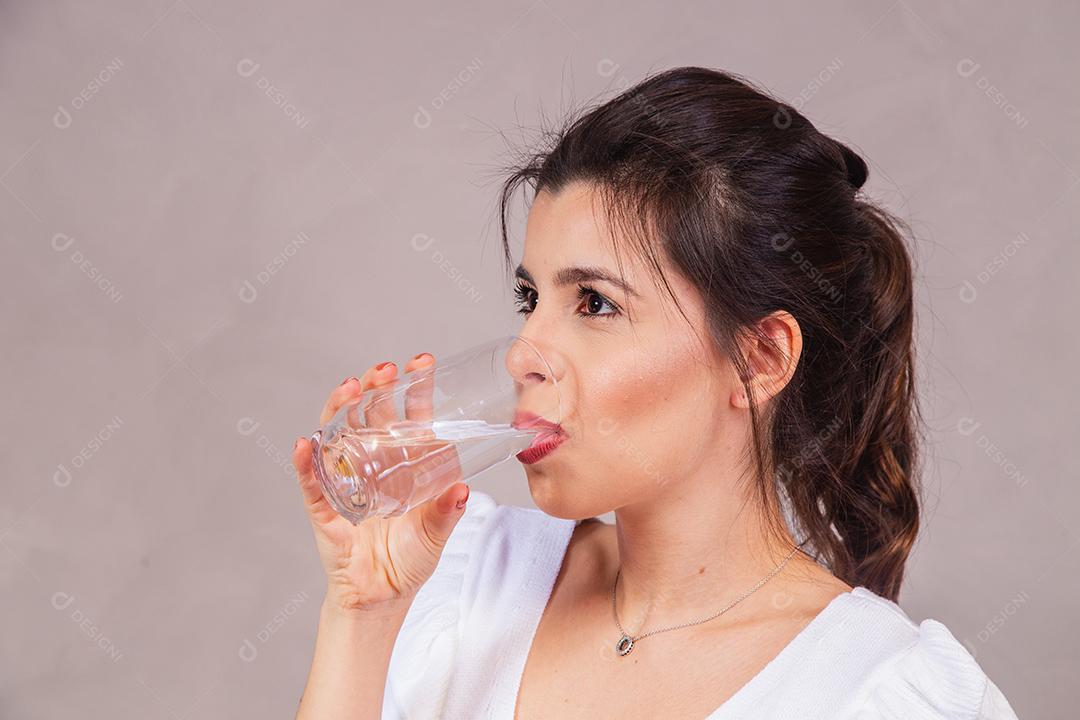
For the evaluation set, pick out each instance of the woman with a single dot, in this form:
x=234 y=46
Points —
x=731 y=325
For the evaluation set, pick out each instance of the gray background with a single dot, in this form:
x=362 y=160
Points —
x=213 y=213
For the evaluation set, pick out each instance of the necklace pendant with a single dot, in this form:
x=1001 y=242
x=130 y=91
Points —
x=625 y=645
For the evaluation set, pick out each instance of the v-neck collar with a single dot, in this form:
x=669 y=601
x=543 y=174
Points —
x=773 y=673
x=745 y=697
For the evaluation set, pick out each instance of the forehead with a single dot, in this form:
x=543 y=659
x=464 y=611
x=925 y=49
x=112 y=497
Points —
x=573 y=212
x=571 y=228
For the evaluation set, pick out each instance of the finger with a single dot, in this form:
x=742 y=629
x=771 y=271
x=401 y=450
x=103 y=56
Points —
x=353 y=413
x=434 y=520
x=348 y=394
x=421 y=360
x=338 y=397
x=317 y=508
x=379 y=411
x=419 y=395
x=366 y=382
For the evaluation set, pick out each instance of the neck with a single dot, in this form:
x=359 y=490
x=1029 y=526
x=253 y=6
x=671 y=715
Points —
x=688 y=552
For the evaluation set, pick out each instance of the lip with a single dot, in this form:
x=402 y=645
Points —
x=551 y=436
x=524 y=420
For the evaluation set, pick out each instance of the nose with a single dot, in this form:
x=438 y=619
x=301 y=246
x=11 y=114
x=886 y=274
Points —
x=530 y=361
x=536 y=370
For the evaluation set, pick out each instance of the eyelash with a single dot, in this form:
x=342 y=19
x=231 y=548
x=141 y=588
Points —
x=521 y=293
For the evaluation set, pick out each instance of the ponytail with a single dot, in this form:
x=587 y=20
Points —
x=848 y=479
x=877 y=516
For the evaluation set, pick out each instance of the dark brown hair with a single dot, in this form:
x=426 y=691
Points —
x=762 y=212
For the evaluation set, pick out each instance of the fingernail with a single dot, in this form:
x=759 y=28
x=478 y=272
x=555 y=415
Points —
x=296 y=444
x=382 y=365
x=351 y=377
x=417 y=357
x=461 y=503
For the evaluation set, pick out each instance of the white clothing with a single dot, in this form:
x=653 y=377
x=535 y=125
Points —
x=462 y=648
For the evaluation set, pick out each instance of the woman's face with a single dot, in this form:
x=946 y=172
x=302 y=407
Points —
x=645 y=404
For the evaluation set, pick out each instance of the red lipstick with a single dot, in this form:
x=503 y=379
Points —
x=551 y=435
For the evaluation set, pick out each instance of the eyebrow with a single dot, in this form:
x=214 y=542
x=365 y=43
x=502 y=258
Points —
x=580 y=273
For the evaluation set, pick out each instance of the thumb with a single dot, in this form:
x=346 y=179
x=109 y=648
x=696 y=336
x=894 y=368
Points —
x=439 y=517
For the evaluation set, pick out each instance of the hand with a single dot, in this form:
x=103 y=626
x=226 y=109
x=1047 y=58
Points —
x=381 y=562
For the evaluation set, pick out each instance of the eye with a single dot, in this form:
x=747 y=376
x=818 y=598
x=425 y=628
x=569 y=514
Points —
x=525 y=298
x=595 y=301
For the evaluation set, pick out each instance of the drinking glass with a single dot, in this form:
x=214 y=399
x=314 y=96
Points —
x=395 y=446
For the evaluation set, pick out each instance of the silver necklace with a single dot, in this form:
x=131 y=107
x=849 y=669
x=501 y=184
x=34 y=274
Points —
x=626 y=642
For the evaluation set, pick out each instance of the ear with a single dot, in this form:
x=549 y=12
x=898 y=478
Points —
x=771 y=365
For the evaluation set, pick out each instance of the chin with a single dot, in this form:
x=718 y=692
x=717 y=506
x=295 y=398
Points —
x=551 y=496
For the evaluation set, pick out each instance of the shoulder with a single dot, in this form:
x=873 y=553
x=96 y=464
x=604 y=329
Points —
x=488 y=561
x=913 y=670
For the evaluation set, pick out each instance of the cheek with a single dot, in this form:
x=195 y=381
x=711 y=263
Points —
x=639 y=412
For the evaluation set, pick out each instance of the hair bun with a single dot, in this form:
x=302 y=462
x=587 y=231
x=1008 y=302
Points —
x=857 y=170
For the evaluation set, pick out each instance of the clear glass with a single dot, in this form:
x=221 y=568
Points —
x=394 y=447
